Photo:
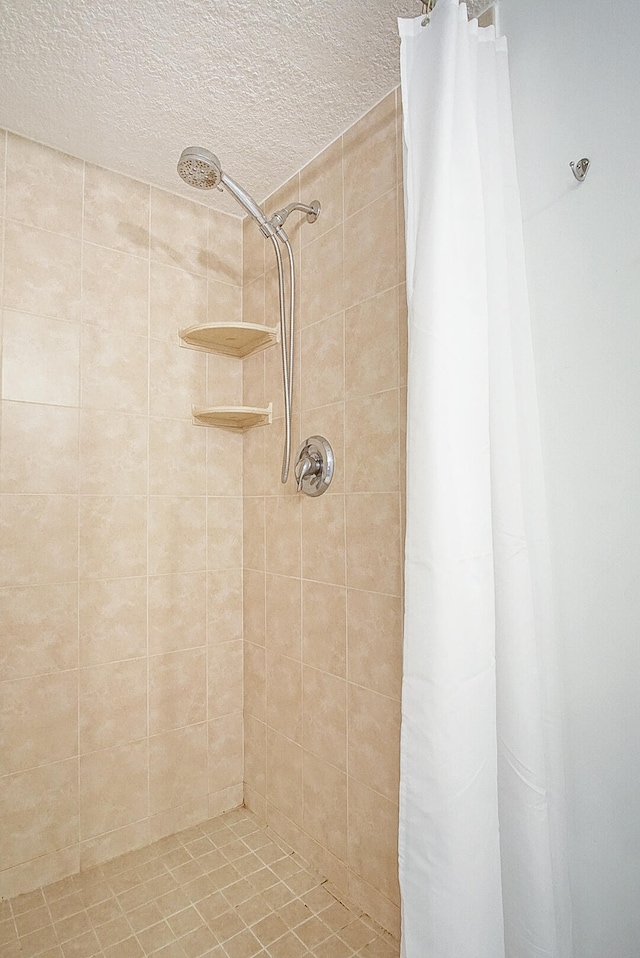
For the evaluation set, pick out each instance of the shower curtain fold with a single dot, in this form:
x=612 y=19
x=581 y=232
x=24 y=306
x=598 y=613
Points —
x=481 y=842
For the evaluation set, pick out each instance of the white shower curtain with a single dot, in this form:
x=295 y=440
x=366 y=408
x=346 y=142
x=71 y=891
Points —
x=481 y=843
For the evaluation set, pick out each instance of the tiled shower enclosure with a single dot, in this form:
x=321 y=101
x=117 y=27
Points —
x=181 y=633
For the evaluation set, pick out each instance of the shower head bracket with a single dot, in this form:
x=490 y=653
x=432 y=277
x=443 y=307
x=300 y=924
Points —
x=280 y=217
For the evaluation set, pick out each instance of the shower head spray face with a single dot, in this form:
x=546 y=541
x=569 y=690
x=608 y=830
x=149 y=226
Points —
x=200 y=168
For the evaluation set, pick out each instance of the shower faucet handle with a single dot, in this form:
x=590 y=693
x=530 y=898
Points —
x=305 y=467
x=314 y=466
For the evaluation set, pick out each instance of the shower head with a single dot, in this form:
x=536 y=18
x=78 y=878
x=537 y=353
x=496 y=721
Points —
x=201 y=168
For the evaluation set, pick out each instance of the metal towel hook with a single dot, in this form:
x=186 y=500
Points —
x=580 y=169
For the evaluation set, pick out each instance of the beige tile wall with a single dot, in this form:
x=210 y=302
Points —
x=120 y=522
x=123 y=537
x=323 y=577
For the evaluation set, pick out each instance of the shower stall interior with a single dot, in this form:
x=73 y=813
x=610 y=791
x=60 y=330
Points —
x=182 y=633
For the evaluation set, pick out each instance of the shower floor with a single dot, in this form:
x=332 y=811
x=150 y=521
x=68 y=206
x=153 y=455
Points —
x=227 y=888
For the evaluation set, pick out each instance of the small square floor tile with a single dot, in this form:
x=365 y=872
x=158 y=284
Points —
x=227 y=888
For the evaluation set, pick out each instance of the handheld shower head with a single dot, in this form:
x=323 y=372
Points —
x=200 y=168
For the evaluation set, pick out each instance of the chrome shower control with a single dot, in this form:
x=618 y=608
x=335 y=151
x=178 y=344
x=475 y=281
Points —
x=314 y=466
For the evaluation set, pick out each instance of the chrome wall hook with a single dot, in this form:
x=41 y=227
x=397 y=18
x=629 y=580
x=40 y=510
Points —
x=580 y=169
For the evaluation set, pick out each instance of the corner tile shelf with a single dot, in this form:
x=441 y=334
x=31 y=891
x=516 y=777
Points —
x=237 y=418
x=237 y=340
x=229 y=339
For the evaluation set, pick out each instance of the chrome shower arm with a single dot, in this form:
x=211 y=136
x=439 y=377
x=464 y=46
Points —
x=280 y=217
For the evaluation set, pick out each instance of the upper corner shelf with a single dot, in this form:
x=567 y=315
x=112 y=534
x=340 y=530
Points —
x=229 y=339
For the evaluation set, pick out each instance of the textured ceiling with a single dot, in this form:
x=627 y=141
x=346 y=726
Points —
x=127 y=84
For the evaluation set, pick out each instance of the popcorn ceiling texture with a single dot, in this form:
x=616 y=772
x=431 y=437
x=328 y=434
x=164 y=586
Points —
x=127 y=86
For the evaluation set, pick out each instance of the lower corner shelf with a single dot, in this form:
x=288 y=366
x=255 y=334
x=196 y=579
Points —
x=237 y=418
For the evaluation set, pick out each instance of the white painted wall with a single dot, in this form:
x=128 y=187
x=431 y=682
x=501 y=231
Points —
x=575 y=71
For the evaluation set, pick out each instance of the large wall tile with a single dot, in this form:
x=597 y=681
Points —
x=374 y=740
x=369 y=156
x=177 y=690
x=371 y=250
x=49 y=521
x=114 y=371
x=113 y=788
x=373 y=839
x=116 y=211
x=224 y=606
x=178 y=299
x=255 y=681
x=113 y=704
x=39 y=450
x=253 y=305
x=374 y=624
x=322 y=277
x=371 y=424
x=284 y=695
x=323 y=539
x=177 y=767
x=113 y=619
x=224 y=462
x=224 y=533
x=3 y=150
x=171 y=474
x=255 y=754
x=253 y=251
x=224 y=378
x=177 y=380
x=41 y=360
x=38 y=720
x=44 y=187
x=325 y=804
x=177 y=611
x=42 y=272
x=177 y=534
x=374 y=542
x=253 y=527
x=39 y=630
x=282 y=518
x=325 y=716
x=224 y=303
x=102 y=848
x=112 y=536
x=253 y=442
x=113 y=453
x=179 y=230
x=321 y=179
x=284 y=775
x=283 y=615
x=225 y=679
x=225 y=752
x=371 y=345
x=224 y=262
x=322 y=362
x=39 y=812
x=324 y=627
x=115 y=290
x=254 y=604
